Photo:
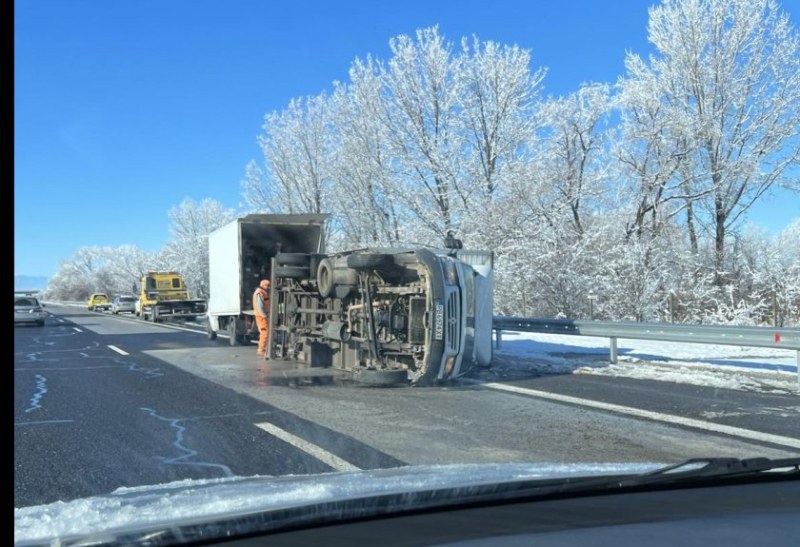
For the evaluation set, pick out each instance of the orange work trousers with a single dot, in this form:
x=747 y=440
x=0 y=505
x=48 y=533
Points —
x=263 y=334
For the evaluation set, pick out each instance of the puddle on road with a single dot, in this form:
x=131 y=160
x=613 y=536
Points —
x=290 y=374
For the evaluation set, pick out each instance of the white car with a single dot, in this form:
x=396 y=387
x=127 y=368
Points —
x=122 y=303
x=28 y=309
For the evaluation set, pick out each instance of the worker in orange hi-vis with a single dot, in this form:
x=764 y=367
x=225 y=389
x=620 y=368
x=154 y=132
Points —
x=261 y=309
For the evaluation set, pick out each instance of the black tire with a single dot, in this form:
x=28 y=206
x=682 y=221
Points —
x=369 y=261
x=233 y=331
x=292 y=272
x=212 y=334
x=40 y=323
x=325 y=278
x=372 y=377
x=155 y=318
x=292 y=259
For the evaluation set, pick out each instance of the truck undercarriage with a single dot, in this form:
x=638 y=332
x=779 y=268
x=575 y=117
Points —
x=387 y=317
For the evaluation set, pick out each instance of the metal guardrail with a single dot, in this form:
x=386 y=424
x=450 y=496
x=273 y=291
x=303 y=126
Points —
x=762 y=337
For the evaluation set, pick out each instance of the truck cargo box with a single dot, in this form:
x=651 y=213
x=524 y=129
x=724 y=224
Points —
x=239 y=255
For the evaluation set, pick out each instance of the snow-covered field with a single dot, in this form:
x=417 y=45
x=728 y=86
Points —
x=731 y=367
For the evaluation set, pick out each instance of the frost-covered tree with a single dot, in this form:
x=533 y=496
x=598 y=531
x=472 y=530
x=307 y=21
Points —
x=644 y=216
x=187 y=249
x=769 y=273
x=727 y=73
x=298 y=154
x=80 y=275
x=365 y=198
x=498 y=98
x=126 y=265
x=421 y=99
x=649 y=159
x=574 y=163
x=498 y=121
x=112 y=270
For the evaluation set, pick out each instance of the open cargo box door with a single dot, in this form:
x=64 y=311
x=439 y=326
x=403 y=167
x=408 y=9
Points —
x=240 y=254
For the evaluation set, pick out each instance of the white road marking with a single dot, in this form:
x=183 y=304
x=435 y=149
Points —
x=650 y=415
x=76 y=329
x=115 y=348
x=40 y=422
x=320 y=453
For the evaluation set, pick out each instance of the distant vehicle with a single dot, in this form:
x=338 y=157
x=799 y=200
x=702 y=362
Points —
x=99 y=301
x=163 y=295
x=123 y=303
x=28 y=309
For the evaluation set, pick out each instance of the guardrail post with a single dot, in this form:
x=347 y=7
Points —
x=613 y=350
x=498 y=337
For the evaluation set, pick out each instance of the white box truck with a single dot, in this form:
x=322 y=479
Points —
x=386 y=316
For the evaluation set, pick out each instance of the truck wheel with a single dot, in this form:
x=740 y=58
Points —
x=325 y=278
x=154 y=316
x=292 y=259
x=292 y=272
x=369 y=261
x=372 y=377
x=233 y=331
x=212 y=334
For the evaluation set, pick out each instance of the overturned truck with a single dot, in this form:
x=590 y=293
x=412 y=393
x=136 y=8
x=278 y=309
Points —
x=386 y=315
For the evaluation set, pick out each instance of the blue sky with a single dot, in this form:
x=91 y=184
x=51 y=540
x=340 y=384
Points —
x=124 y=108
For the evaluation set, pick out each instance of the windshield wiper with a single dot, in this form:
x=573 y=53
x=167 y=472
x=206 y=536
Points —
x=705 y=468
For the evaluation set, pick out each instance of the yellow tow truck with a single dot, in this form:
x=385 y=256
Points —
x=163 y=295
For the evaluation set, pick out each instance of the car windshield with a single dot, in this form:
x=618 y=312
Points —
x=467 y=241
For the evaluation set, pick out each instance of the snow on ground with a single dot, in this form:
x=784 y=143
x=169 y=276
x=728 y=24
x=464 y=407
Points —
x=731 y=367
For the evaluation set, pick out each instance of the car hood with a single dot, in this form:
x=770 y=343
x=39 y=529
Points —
x=133 y=512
